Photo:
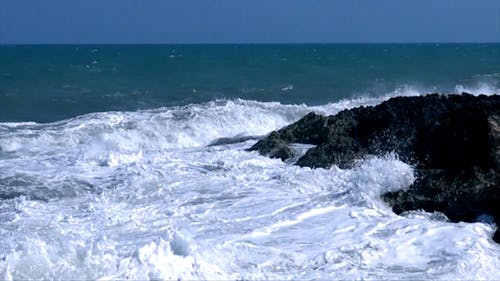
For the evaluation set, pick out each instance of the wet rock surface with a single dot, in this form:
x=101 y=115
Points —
x=452 y=140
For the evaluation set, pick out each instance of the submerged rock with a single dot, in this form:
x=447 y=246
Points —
x=452 y=140
x=232 y=140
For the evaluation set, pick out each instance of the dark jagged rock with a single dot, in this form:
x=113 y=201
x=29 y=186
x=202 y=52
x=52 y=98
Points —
x=461 y=194
x=452 y=140
x=426 y=131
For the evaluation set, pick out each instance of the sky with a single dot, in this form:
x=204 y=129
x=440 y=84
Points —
x=245 y=21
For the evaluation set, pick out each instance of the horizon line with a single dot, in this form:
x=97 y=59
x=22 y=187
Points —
x=254 y=43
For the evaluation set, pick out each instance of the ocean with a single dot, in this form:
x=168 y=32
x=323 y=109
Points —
x=130 y=162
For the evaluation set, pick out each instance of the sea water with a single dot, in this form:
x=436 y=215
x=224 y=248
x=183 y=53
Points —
x=130 y=162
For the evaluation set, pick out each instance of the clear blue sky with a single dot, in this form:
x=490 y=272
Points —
x=245 y=21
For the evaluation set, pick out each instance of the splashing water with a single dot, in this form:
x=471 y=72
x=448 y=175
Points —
x=143 y=195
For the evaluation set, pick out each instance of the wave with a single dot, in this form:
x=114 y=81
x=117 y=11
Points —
x=478 y=89
x=172 y=127
x=193 y=125
x=98 y=135
x=219 y=213
x=68 y=249
x=117 y=139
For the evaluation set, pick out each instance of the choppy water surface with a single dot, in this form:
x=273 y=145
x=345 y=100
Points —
x=51 y=83
x=143 y=195
x=129 y=162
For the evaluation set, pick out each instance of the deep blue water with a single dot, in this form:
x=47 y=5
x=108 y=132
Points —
x=49 y=82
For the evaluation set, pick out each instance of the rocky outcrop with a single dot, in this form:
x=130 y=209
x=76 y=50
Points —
x=452 y=140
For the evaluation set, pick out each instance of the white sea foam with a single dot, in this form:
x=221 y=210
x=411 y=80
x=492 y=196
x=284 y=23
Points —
x=479 y=89
x=142 y=195
x=165 y=128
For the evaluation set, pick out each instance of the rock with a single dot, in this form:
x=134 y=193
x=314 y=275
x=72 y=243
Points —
x=496 y=236
x=452 y=140
x=232 y=140
x=461 y=194
x=494 y=125
x=427 y=131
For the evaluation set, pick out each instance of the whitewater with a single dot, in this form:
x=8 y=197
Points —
x=172 y=193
